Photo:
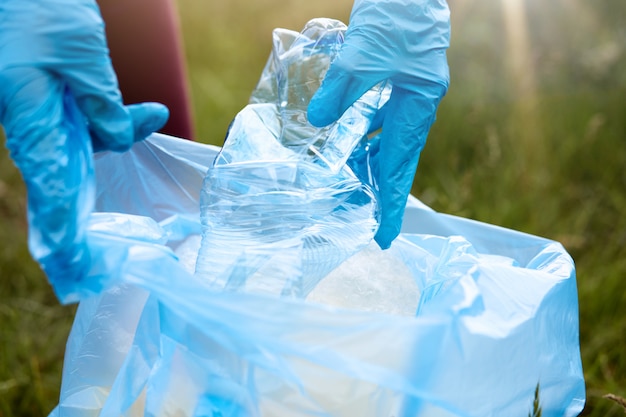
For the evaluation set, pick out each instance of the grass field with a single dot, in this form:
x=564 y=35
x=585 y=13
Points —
x=531 y=136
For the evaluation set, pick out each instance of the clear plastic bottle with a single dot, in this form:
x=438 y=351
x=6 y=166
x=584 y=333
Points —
x=280 y=207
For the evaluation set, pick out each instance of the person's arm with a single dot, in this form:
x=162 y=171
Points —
x=59 y=98
x=404 y=41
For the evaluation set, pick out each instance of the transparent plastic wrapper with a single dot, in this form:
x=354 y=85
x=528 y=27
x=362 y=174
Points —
x=496 y=317
x=280 y=207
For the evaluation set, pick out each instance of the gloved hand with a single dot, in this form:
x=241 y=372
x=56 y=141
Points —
x=404 y=41
x=53 y=60
x=48 y=45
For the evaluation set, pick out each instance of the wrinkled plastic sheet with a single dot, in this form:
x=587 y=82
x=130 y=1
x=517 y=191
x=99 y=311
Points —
x=497 y=317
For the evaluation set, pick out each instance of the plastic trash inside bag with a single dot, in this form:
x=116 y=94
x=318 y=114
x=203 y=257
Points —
x=280 y=208
x=473 y=319
x=497 y=315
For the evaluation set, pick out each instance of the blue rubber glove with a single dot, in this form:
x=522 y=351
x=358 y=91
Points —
x=404 y=41
x=48 y=45
x=59 y=101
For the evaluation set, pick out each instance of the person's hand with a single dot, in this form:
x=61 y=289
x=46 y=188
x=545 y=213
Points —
x=404 y=41
x=59 y=100
x=47 y=46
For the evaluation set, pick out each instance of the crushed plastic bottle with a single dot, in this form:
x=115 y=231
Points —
x=280 y=207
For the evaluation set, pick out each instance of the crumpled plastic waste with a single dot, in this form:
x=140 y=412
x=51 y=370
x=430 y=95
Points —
x=280 y=207
x=491 y=317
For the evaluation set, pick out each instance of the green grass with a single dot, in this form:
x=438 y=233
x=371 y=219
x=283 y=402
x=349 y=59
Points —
x=552 y=165
x=536 y=412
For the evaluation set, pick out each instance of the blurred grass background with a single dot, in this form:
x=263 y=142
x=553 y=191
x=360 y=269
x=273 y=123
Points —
x=531 y=136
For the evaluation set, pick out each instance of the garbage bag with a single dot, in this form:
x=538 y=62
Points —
x=496 y=318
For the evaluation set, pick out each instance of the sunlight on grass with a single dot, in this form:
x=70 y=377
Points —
x=521 y=76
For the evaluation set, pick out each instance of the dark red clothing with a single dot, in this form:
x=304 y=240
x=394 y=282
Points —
x=146 y=49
